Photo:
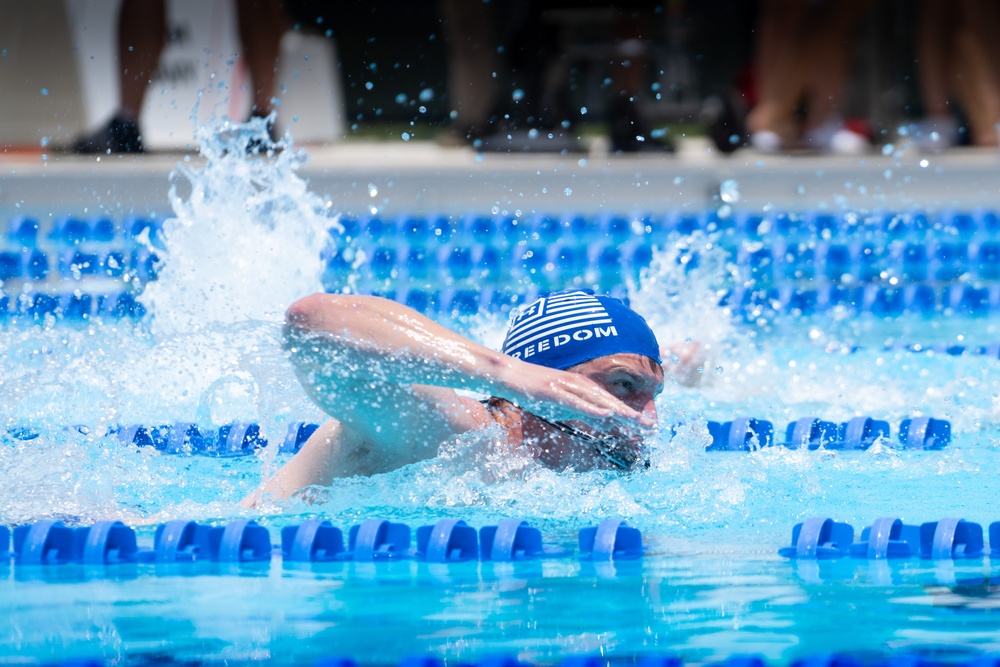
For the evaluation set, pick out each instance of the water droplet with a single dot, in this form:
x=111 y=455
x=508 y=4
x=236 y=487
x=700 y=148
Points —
x=924 y=164
x=426 y=95
x=583 y=111
x=372 y=190
x=718 y=370
x=888 y=149
x=44 y=142
x=568 y=191
x=517 y=95
x=401 y=98
x=729 y=191
x=45 y=92
x=406 y=136
x=369 y=85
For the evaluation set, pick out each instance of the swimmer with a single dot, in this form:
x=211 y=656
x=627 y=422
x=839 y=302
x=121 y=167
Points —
x=575 y=383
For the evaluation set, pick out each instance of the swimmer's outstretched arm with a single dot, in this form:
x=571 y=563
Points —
x=387 y=376
x=349 y=349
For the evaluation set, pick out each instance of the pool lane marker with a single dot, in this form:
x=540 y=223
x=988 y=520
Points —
x=821 y=538
x=858 y=434
x=182 y=542
x=740 y=434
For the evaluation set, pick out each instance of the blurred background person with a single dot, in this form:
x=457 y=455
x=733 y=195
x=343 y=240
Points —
x=803 y=56
x=142 y=35
x=475 y=66
x=510 y=68
x=957 y=55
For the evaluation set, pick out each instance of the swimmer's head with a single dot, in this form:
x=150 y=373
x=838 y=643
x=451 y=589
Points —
x=571 y=327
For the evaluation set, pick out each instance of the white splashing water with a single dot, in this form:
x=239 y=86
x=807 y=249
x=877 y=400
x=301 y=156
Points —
x=679 y=295
x=246 y=239
x=245 y=242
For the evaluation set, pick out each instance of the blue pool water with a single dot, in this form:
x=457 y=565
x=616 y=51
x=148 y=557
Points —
x=246 y=237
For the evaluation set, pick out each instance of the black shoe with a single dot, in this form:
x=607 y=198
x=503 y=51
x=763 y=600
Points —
x=119 y=136
x=258 y=145
x=724 y=119
x=630 y=133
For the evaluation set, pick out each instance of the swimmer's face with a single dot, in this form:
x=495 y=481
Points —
x=634 y=379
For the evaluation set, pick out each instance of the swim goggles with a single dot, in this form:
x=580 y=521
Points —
x=607 y=447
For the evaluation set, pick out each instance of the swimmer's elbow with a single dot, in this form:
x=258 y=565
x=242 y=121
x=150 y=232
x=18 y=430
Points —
x=303 y=313
x=325 y=312
x=321 y=312
x=252 y=501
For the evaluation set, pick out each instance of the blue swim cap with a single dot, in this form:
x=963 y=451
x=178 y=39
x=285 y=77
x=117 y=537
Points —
x=568 y=328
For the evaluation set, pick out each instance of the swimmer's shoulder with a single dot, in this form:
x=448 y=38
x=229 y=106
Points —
x=477 y=413
x=463 y=411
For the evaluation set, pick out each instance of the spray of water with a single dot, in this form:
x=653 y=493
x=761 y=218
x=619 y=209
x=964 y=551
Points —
x=245 y=242
x=247 y=234
x=679 y=295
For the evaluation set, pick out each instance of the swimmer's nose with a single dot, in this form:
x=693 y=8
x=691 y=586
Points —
x=649 y=412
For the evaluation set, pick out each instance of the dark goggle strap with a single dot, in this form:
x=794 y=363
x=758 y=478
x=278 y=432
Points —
x=606 y=447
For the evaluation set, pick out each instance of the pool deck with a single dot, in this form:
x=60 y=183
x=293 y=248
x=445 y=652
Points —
x=425 y=177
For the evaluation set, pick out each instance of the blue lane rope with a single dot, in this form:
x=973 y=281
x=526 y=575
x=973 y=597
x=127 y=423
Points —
x=991 y=350
x=740 y=434
x=749 y=303
x=822 y=538
x=314 y=541
x=887 y=264
x=858 y=433
x=50 y=542
x=736 y=660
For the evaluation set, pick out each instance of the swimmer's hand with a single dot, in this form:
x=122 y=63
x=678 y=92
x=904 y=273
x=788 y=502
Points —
x=685 y=362
x=561 y=395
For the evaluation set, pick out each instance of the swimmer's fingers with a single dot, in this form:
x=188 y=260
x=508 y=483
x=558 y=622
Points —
x=600 y=408
x=559 y=395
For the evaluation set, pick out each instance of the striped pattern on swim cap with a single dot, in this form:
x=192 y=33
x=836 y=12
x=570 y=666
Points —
x=568 y=328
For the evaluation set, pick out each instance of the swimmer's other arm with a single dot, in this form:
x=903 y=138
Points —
x=387 y=376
